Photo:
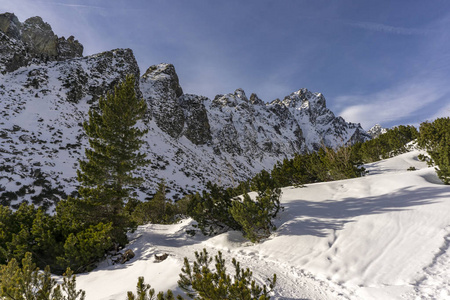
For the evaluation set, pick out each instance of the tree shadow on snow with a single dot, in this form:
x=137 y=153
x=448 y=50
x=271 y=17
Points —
x=318 y=218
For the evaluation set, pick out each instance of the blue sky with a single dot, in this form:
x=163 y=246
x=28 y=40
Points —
x=382 y=61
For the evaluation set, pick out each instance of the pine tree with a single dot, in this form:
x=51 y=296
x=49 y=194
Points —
x=30 y=283
x=435 y=138
x=255 y=216
x=107 y=174
x=201 y=282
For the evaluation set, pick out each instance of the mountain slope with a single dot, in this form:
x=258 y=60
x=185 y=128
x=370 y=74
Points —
x=383 y=236
x=47 y=90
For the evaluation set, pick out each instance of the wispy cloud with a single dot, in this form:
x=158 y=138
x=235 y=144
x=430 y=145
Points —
x=73 y=5
x=388 y=29
x=442 y=113
x=390 y=106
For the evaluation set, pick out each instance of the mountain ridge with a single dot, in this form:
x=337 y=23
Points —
x=191 y=139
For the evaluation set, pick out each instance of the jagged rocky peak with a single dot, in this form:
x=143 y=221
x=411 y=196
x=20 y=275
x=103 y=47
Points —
x=196 y=128
x=254 y=99
x=165 y=74
x=240 y=94
x=376 y=131
x=10 y=25
x=238 y=98
x=175 y=113
x=304 y=98
x=95 y=75
x=161 y=89
x=32 y=42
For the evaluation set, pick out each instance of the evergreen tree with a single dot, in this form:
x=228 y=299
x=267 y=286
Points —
x=255 y=216
x=201 y=282
x=157 y=210
x=145 y=292
x=107 y=174
x=68 y=289
x=29 y=283
x=211 y=210
x=435 y=138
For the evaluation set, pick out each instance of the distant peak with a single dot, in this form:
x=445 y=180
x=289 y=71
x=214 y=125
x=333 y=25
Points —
x=376 y=131
x=240 y=94
x=254 y=99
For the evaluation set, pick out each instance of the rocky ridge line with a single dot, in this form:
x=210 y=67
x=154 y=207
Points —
x=191 y=139
x=32 y=41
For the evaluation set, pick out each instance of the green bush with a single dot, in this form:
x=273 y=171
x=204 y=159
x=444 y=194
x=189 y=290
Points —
x=83 y=249
x=211 y=210
x=157 y=210
x=435 y=138
x=389 y=144
x=80 y=244
x=145 y=292
x=255 y=216
x=27 y=282
x=199 y=281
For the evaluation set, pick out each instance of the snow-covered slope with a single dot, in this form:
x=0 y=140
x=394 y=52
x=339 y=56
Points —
x=47 y=90
x=383 y=236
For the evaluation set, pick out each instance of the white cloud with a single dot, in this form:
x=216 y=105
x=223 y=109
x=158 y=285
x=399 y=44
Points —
x=389 y=29
x=74 y=5
x=387 y=106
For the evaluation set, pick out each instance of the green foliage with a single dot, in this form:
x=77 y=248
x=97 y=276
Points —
x=28 y=283
x=255 y=216
x=220 y=209
x=302 y=169
x=107 y=174
x=344 y=162
x=211 y=210
x=435 y=138
x=145 y=292
x=83 y=249
x=389 y=144
x=158 y=209
x=28 y=230
x=327 y=164
x=68 y=289
x=199 y=281
x=341 y=163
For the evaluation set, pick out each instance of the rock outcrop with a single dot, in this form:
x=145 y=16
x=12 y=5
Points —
x=32 y=42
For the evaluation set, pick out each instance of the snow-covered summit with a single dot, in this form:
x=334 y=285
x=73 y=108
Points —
x=376 y=131
x=191 y=139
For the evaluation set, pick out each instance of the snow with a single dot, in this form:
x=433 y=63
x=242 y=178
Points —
x=382 y=236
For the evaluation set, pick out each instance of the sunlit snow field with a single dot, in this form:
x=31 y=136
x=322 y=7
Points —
x=382 y=236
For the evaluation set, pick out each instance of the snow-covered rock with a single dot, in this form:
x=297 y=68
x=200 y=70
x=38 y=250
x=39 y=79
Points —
x=376 y=131
x=191 y=139
x=32 y=42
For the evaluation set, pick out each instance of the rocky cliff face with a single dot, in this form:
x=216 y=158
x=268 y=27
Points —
x=191 y=139
x=32 y=42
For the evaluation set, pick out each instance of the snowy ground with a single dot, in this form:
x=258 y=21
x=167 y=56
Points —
x=383 y=236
